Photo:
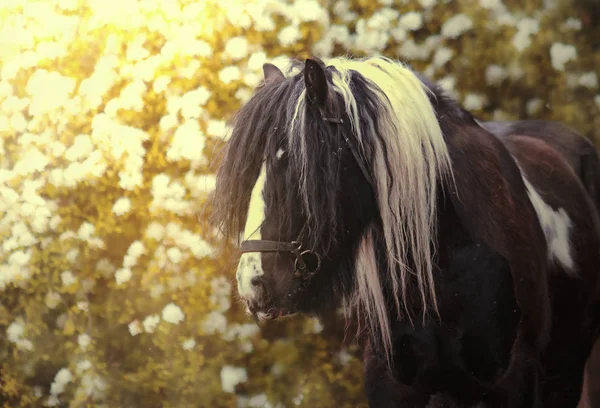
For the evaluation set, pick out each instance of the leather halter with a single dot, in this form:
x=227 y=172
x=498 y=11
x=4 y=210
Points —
x=301 y=269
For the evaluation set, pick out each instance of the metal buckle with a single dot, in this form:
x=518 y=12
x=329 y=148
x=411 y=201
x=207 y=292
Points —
x=302 y=271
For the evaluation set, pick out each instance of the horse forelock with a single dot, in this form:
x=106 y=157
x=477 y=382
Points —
x=256 y=135
x=396 y=128
x=258 y=138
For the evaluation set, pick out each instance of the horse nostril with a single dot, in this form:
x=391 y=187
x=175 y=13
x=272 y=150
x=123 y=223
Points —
x=258 y=281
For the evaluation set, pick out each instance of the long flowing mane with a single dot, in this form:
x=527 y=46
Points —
x=397 y=131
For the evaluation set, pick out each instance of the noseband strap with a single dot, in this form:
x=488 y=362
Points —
x=301 y=269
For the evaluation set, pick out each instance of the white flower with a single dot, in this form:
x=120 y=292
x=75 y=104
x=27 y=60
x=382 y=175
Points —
x=43 y=83
x=308 y=10
x=135 y=328
x=252 y=79
x=474 y=101
x=572 y=23
x=82 y=366
x=215 y=322
x=560 y=54
x=18 y=122
x=317 y=326
x=448 y=84
x=62 y=378
x=410 y=50
x=243 y=94
x=370 y=39
x=84 y=340
x=82 y=304
x=105 y=267
x=192 y=102
x=237 y=48
x=257 y=60
x=67 y=278
x=238 y=17
x=217 y=128
x=15 y=331
x=495 y=74
x=86 y=231
x=289 y=35
x=19 y=258
x=515 y=71
x=533 y=106
x=221 y=291
x=189 y=344
x=136 y=50
x=123 y=275
x=201 y=185
x=168 y=121
x=442 y=56
x=155 y=231
x=169 y=195
x=160 y=84
x=589 y=80
x=156 y=291
x=456 y=25
x=528 y=25
x=491 y=4
x=136 y=249
x=33 y=160
x=426 y=4
x=188 y=142
x=411 y=21
x=52 y=300
x=344 y=357
x=521 y=40
x=242 y=331
x=230 y=74
x=259 y=400
x=122 y=206
x=232 y=376
x=172 y=314
x=174 y=254
x=81 y=148
x=150 y=323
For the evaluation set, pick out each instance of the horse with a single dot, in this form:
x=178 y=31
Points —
x=468 y=260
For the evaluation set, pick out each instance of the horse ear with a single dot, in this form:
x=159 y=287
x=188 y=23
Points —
x=272 y=74
x=317 y=88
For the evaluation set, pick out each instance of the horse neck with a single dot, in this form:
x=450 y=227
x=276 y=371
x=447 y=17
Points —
x=457 y=125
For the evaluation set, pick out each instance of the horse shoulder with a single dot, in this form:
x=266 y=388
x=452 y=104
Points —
x=490 y=198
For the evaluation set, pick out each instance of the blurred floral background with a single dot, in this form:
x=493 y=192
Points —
x=114 y=290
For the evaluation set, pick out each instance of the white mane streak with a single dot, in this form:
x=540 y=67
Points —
x=411 y=141
x=418 y=157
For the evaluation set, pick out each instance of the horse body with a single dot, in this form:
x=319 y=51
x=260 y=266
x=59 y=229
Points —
x=506 y=240
x=479 y=278
x=578 y=151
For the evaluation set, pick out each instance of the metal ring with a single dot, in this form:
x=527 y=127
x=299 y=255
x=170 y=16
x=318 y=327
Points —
x=310 y=272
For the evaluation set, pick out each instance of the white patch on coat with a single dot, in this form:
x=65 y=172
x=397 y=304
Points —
x=250 y=265
x=556 y=226
x=279 y=153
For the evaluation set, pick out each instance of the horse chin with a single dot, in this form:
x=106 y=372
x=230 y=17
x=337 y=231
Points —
x=272 y=313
